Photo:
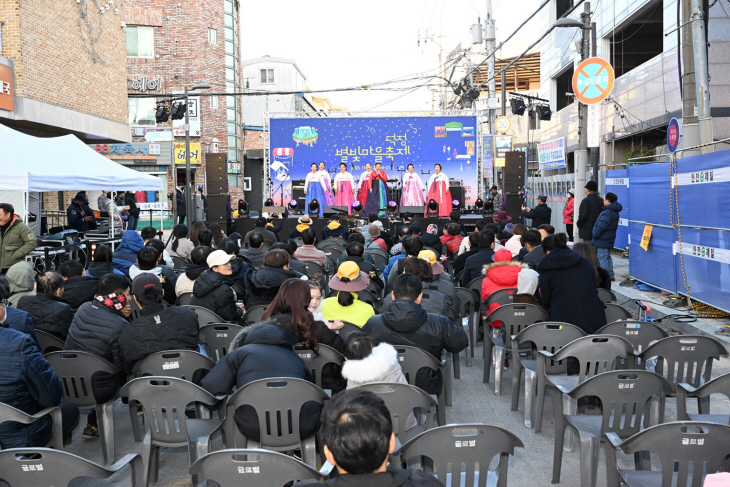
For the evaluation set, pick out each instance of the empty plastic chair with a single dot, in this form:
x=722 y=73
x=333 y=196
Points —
x=606 y=295
x=412 y=359
x=252 y=468
x=548 y=336
x=450 y=447
x=43 y=467
x=614 y=312
x=640 y=334
x=680 y=447
x=380 y=258
x=179 y=262
x=49 y=343
x=718 y=385
x=216 y=338
x=254 y=315
x=469 y=308
x=9 y=413
x=182 y=364
x=624 y=396
x=316 y=272
x=205 y=315
x=475 y=286
x=315 y=362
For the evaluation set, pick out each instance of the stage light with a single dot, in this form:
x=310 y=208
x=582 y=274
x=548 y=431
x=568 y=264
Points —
x=544 y=112
x=392 y=208
x=269 y=202
x=293 y=206
x=313 y=208
x=479 y=203
x=432 y=209
x=518 y=106
x=357 y=208
x=455 y=204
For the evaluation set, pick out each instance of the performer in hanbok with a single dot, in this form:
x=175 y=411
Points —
x=378 y=195
x=412 y=189
x=314 y=190
x=344 y=188
x=327 y=184
x=365 y=185
x=438 y=190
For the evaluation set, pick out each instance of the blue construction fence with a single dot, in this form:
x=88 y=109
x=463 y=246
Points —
x=690 y=240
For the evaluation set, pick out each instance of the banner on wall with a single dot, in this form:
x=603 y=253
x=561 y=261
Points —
x=503 y=144
x=488 y=155
x=394 y=142
x=551 y=154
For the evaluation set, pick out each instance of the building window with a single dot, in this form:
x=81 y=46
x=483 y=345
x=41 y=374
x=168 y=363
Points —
x=266 y=76
x=140 y=42
x=232 y=155
x=214 y=101
x=231 y=115
x=142 y=111
x=564 y=86
x=638 y=41
x=212 y=36
x=562 y=6
x=232 y=181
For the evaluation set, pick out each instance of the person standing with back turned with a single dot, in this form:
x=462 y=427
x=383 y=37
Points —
x=604 y=231
x=589 y=211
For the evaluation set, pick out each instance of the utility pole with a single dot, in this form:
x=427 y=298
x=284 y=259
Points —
x=188 y=191
x=581 y=155
x=491 y=85
x=702 y=85
x=690 y=125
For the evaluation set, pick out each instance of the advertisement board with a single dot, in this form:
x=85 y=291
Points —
x=551 y=154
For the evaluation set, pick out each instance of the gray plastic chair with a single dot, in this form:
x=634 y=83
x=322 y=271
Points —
x=549 y=336
x=216 y=338
x=43 y=467
x=179 y=262
x=315 y=362
x=252 y=468
x=349 y=327
x=205 y=316
x=316 y=272
x=464 y=444
x=164 y=400
x=686 y=359
x=9 y=413
x=639 y=333
x=594 y=355
x=380 y=258
x=331 y=244
x=475 y=286
x=624 y=396
x=718 y=385
x=181 y=364
x=501 y=297
x=469 y=307
x=606 y=295
x=614 y=312
x=277 y=402
x=49 y=343
x=75 y=370
x=453 y=358
x=254 y=315
x=411 y=359
x=184 y=299
x=401 y=400
x=677 y=445
x=514 y=318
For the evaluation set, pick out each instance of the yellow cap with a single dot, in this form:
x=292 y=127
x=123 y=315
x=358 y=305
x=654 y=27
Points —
x=349 y=270
x=428 y=256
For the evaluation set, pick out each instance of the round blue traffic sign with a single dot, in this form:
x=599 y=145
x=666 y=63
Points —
x=673 y=135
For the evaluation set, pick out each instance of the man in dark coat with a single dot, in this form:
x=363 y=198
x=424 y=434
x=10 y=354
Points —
x=291 y=246
x=269 y=236
x=28 y=383
x=212 y=289
x=48 y=312
x=485 y=256
x=356 y=253
x=404 y=322
x=77 y=288
x=460 y=261
x=604 y=231
x=262 y=285
x=255 y=252
x=239 y=267
x=78 y=219
x=181 y=210
x=158 y=328
x=589 y=211
x=334 y=228
x=541 y=214
x=531 y=242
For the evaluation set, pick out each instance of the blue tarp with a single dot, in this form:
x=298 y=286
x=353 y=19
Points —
x=657 y=266
x=618 y=183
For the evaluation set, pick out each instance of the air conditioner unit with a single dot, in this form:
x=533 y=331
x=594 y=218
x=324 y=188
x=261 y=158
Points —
x=137 y=131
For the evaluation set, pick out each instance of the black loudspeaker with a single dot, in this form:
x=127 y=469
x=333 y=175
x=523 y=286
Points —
x=334 y=210
x=457 y=193
x=217 y=208
x=416 y=210
x=514 y=171
x=514 y=207
x=297 y=191
x=215 y=173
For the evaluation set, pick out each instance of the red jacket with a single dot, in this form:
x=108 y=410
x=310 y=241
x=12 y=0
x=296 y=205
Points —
x=452 y=243
x=381 y=243
x=500 y=275
x=568 y=211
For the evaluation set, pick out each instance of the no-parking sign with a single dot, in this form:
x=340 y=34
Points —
x=593 y=80
x=673 y=135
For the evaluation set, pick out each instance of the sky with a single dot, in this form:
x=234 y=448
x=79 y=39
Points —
x=344 y=44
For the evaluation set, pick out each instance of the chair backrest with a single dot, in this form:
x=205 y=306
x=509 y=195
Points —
x=468 y=301
x=639 y=333
x=516 y=317
x=331 y=244
x=75 y=370
x=49 y=343
x=595 y=354
x=205 y=315
x=9 y=413
x=277 y=402
x=216 y=338
x=182 y=364
x=184 y=299
x=411 y=359
x=315 y=362
x=614 y=312
x=332 y=256
x=501 y=297
x=606 y=295
x=240 y=292
x=453 y=446
x=254 y=315
x=401 y=399
x=349 y=327
x=681 y=444
x=380 y=258
x=435 y=251
x=718 y=385
x=164 y=400
x=475 y=286
x=687 y=358
x=550 y=336
x=179 y=262
x=44 y=467
x=625 y=396
x=457 y=277
x=316 y=272
x=367 y=297
x=251 y=468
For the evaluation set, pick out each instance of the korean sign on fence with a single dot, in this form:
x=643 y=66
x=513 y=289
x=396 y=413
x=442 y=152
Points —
x=551 y=154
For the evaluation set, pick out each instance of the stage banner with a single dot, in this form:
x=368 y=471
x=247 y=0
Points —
x=488 y=155
x=395 y=142
x=551 y=154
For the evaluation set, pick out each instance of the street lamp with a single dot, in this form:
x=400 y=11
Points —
x=189 y=194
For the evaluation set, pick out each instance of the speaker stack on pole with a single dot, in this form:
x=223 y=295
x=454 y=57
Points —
x=514 y=183
x=217 y=190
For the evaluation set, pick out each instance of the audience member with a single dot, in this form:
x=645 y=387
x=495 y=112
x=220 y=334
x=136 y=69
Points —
x=376 y=241
x=198 y=227
x=77 y=288
x=433 y=301
x=346 y=306
x=21 y=278
x=546 y=230
x=474 y=264
x=291 y=246
x=502 y=274
x=102 y=263
x=604 y=231
x=473 y=248
x=454 y=217
x=356 y=253
x=590 y=209
x=359 y=238
x=401 y=231
x=255 y=252
x=262 y=285
x=198 y=265
x=568 y=286
x=212 y=289
x=480 y=225
x=205 y=237
x=239 y=267
x=532 y=240
x=315 y=303
x=16 y=238
x=384 y=234
x=528 y=281
x=260 y=227
x=438 y=281
x=416 y=228
x=126 y=254
x=540 y=214
x=514 y=244
x=14 y=318
x=180 y=245
x=304 y=223
x=335 y=228
x=452 y=238
x=308 y=252
x=413 y=246
x=149 y=234
x=218 y=233
x=274 y=224
x=148 y=262
x=603 y=279
x=48 y=312
x=405 y=322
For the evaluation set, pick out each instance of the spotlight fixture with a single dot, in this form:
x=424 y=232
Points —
x=432 y=209
x=162 y=114
x=518 y=106
x=357 y=208
x=455 y=204
x=293 y=206
x=313 y=208
x=269 y=202
x=544 y=112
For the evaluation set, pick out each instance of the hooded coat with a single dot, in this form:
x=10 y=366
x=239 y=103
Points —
x=604 y=231
x=568 y=211
x=568 y=289
x=389 y=478
x=263 y=284
x=334 y=229
x=126 y=254
x=186 y=280
x=79 y=290
x=99 y=269
x=16 y=241
x=167 y=277
x=260 y=351
x=49 y=314
x=500 y=275
x=588 y=212
x=21 y=279
x=407 y=323
x=213 y=291
x=20 y=320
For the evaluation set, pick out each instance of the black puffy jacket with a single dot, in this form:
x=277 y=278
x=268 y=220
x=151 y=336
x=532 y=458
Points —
x=96 y=329
x=406 y=323
x=540 y=215
x=156 y=330
x=239 y=269
x=28 y=383
x=48 y=314
x=213 y=291
x=589 y=211
x=263 y=284
x=79 y=290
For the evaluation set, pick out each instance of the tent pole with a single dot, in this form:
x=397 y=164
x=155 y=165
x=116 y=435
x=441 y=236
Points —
x=27 y=202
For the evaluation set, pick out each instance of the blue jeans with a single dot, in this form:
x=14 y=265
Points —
x=132 y=223
x=604 y=259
